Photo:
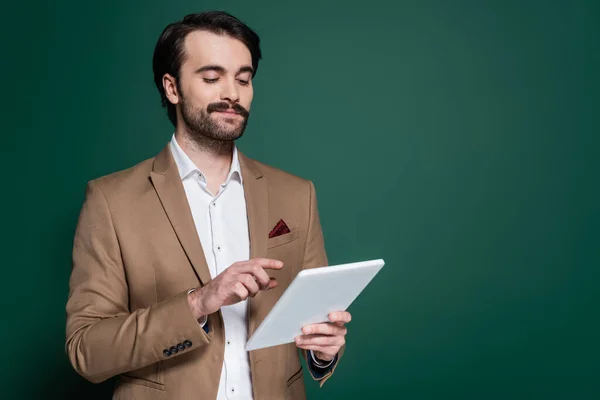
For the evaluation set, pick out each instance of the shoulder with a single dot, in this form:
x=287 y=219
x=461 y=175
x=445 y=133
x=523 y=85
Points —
x=125 y=183
x=279 y=179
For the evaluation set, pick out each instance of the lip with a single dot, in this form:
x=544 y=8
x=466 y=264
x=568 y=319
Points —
x=228 y=112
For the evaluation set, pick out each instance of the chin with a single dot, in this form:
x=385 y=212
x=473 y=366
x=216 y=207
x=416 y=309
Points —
x=229 y=133
x=230 y=124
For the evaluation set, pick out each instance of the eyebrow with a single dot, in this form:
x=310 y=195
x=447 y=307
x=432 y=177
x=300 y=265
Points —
x=222 y=70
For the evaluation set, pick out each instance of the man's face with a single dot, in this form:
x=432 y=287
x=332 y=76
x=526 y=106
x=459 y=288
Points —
x=215 y=86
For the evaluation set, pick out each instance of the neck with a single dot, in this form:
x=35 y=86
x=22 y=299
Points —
x=212 y=157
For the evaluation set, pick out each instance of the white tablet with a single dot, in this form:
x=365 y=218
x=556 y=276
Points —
x=312 y=295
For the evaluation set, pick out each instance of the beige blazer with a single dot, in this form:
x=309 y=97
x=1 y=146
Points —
x=136 y=254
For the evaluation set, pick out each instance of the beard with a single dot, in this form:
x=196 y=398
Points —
x=210 y=133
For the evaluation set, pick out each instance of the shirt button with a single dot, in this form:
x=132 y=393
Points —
x=229 y=342
x=219 y=248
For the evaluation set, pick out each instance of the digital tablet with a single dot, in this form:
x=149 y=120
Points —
x=311 y=297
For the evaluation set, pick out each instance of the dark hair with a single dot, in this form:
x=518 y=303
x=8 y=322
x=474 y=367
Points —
x=169 y=52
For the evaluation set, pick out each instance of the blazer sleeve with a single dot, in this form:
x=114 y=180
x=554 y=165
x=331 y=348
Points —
x=316 y=256
x=103 y=337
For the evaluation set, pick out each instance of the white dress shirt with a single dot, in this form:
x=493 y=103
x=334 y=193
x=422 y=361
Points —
x=222 y=225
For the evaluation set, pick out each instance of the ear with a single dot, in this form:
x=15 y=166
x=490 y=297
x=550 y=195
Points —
x=170 y=85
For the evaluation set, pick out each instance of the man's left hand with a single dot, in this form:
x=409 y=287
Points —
x=325 y=339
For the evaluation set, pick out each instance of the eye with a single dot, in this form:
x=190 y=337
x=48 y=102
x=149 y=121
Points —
x=243 y=82
x=209 y=80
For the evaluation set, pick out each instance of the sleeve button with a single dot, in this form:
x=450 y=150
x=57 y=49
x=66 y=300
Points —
x=180 y=347
x=187 y=343
x=173 y=350
x=166 y=352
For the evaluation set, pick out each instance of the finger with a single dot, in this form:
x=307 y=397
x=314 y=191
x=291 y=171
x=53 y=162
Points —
x=330 y=351
x=325 y=329
x=251 y=285
x=272 y=283
x=240 y=290
x=256 y=268
x=342 y=316
x=268 y=263
x=321 y=340
x=260 y=275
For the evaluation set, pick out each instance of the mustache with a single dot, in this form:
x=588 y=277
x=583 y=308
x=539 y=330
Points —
x=212 y=107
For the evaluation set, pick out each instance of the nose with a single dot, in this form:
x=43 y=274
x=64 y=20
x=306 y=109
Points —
x=229 y=92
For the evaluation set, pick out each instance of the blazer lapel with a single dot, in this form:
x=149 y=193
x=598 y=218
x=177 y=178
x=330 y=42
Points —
x=257 y=207
x=167 y=183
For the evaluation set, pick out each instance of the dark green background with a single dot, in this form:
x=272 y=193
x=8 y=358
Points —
x=458 y=140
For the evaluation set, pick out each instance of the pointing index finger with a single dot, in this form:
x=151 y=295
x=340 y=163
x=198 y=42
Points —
x=269 y=263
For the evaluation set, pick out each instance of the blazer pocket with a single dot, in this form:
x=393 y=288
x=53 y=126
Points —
x=283 y=239
x=142 y=382
x=294 y=377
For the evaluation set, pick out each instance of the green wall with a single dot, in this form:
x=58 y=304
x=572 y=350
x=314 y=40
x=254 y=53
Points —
x=458 y=140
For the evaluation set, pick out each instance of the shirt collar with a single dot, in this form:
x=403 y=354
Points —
x=187 y=167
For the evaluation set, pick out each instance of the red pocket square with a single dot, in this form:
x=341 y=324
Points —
x=280 y=229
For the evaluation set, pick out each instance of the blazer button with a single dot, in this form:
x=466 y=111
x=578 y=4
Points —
x=173 y=350
x=166 y=352
x=187 y=343
x=180 y=347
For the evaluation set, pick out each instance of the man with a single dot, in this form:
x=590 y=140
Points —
x=177 y=260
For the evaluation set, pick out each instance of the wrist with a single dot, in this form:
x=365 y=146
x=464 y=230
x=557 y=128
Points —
x=193 y=302
x=322 y=357
x=320 y=360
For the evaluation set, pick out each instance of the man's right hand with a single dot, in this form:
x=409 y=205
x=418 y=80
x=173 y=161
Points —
x=238 y=282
